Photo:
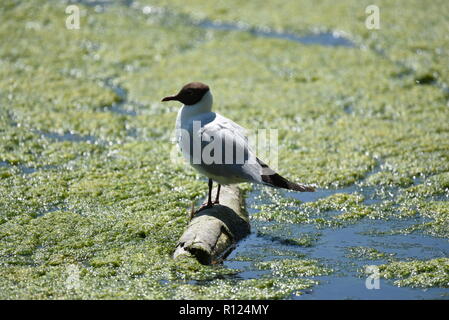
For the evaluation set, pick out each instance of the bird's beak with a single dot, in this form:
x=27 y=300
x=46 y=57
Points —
x=169 y=98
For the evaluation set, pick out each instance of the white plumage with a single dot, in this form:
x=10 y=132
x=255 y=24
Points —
x=231 y=137
x=217 y=146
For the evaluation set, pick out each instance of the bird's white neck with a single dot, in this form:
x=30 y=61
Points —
x=203 y=106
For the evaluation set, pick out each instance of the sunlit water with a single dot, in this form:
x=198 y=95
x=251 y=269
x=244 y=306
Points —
x=331 y=249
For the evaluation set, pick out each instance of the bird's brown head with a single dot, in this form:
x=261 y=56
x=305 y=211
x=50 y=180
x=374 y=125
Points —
x=190 y=94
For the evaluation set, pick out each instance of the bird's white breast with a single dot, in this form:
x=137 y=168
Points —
x=188 y=127
x=194 y=122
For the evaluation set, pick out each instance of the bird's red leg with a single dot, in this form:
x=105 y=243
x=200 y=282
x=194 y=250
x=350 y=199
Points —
x=217 y=197
x=209 y=199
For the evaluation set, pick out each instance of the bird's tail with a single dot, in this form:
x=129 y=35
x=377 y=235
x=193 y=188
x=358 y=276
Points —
x=273 y=179
x=276 y=180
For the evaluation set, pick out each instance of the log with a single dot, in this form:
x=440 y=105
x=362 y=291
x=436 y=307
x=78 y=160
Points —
x=213 y=233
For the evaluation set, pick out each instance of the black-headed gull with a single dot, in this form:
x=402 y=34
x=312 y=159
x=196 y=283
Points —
x=218 y=147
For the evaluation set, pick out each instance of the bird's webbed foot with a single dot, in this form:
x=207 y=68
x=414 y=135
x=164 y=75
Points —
x=204 y=206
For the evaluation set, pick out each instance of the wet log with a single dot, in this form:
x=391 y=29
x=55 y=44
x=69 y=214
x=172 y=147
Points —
x=214 y=232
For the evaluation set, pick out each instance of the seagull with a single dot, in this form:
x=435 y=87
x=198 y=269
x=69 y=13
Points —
x=217 y=147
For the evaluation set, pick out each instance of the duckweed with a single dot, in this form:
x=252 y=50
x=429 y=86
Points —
x=368 y=253
x=418 y=273
x=91 y=203
x=292 y=268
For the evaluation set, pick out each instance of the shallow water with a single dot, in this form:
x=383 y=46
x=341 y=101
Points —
x=118 y=106
x=323 y=38
x=68 y=136
x=332 y=244
x=120 y=178
x=332 y=248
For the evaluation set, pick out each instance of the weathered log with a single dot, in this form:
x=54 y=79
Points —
x=213 y=232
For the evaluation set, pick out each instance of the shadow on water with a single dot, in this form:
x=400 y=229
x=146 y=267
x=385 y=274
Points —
x=332 y=249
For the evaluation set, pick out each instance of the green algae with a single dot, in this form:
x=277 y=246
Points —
x=279 y=234
x=418 y=273
x=434 y=185
x=333 y=211
x=366 y=253
x=276 y=288
x=423 y=50
x=388 y=178
x=377 y=97
x=349 y=206
x=294 y=267
x=436 y=219
x=86 y=189
x=248 y=255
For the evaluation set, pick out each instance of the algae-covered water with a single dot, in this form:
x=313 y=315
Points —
x=93 y=200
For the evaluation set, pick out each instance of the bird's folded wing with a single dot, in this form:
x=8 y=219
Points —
x=232 y=137
x=227 y=131
x=228 y=128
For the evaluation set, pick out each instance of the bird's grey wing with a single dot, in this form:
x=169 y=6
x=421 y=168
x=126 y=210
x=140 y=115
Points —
x=252 y=169
x=235 y=160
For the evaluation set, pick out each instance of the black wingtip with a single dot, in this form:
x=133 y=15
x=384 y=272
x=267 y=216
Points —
x=277 y=180
x=301 y=187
